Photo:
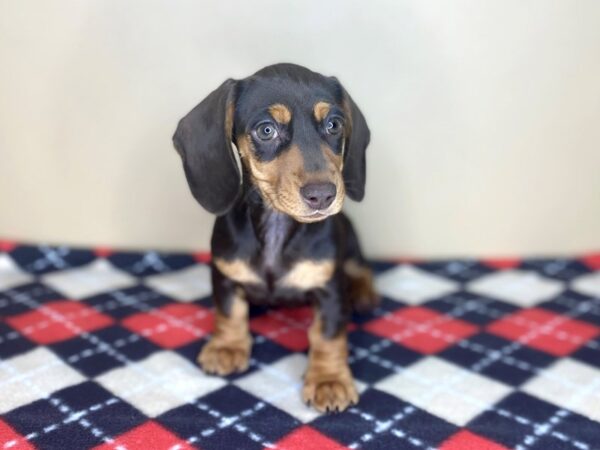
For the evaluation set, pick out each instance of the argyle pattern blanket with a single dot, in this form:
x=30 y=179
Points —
x=98 y=348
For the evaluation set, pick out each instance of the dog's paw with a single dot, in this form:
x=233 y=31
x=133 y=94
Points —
x=330 y=394
x=224 y=359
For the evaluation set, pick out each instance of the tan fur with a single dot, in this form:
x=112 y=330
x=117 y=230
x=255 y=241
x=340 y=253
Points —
x=328 y=382
x=229 y=114
x=335 y=166
x=320 y=110
x=228 y=350
x=308 y=274
x=279 y=181
x=237 y=270
x=280 y=113
x=362 y=289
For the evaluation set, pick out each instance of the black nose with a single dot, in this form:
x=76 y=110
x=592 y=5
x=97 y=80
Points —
x=318 y=195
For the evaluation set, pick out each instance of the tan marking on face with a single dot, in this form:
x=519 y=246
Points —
x=361 y=285
x=280 y=113
x=308 y=274
x=335 y=164
x=228 y=350
x=348 y=114
x=328 y=382
x=237 y=270
x=229 y=114
x=279 y=181
x=320 y=110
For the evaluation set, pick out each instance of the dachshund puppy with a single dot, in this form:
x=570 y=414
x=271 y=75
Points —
x=279 y=237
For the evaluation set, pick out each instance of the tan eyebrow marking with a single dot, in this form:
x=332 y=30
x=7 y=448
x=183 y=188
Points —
x=320 y=110
x=280 y=113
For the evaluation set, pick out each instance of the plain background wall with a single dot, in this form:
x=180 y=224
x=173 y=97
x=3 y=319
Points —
x=485 y=116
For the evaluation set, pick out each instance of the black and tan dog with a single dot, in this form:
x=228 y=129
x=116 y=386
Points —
x=280 y=237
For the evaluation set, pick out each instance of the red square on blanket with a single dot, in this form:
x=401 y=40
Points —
x=58 y=321
x=465 y=440
x=10 y=439
x=421 y=329
x=545 y=330
x=306 y=437
x=147 y=435
x=286 y=326
x=172 y=325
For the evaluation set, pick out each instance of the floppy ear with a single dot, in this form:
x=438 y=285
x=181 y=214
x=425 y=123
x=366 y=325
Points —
x=203 y=140
x=357 y=140
x=355 y=147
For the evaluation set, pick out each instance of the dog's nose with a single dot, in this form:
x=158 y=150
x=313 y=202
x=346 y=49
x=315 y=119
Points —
x=318 y=195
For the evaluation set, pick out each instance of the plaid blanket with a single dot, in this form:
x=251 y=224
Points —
x=98 y=348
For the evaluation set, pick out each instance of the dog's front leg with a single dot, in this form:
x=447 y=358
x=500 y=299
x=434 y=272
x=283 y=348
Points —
x=228 y=350
x=328 y=382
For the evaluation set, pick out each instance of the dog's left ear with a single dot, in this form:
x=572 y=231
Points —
x=355 y=147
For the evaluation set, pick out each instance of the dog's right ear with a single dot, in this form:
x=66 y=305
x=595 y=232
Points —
x=203 y=140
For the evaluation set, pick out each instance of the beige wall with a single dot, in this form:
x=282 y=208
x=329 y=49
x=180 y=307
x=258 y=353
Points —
x=485 y=116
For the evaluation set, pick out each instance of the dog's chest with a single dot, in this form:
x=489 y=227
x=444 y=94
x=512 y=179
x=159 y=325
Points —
x=276 y=232
x=276 y=270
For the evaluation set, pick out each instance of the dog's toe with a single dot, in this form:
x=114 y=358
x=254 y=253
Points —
x=223 y=359
x=330 y=395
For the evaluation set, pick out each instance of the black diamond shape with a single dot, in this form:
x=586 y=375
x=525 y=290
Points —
x=512 y=419
x=21 y=299
x=461 y=270
x=228 y=416
x=45 y=258
x=378 y=414
x=561 y=269
x=372 y=358
x=150 y=263
x=127 y=302
x=92 y=360
x=471 y=308
x=12 y=343
x=483 y=352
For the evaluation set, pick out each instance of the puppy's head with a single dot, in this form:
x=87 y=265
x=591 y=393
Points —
x=300 y=137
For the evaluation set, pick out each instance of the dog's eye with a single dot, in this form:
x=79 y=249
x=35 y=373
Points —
x=333 y=126
x=266 y=132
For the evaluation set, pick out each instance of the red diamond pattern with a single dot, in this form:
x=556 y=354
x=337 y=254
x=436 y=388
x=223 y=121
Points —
x=10 y=439
x=421 y=329
x=545 y=330
x=145 y=436
x=306 y=437
x=285 y=326
x=465 y=440
x=58 y=321
x=172 y=325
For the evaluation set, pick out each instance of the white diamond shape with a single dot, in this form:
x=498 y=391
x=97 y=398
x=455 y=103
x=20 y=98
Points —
x=571 y=385
x=445 y=390
x=412 y=285
x=159 y=383
x=280 y=384
x=186 y=285
x=588 y=284
x=91 y=279
x=10 y=274
x=522 y=288
x=31 y=376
